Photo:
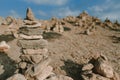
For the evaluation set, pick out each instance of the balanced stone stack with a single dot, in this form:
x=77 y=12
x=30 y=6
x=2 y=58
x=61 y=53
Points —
x=34 y=48
x=34 y=64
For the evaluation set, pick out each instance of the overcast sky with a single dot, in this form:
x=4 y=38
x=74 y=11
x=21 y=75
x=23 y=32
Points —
x=45 y=9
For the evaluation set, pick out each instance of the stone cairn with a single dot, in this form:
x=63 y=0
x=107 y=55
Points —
x=34 y=59
x=34 y=64
x=99 y=68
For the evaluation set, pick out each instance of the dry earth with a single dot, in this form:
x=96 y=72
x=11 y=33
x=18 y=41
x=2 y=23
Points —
x=68 y=50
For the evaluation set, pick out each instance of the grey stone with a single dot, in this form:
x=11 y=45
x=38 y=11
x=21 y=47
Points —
x=1 y=69
x=103 y=67
x=31 y=31
x=59 y=77
x=35 y=51
x=23 y=65
x=36 y=69
x=36 y=58
x=30 y=15
x=32 y=37
x=33 y=44
x=87 y=67
x=45 y=73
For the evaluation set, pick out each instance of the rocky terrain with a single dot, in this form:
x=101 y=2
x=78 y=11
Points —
x=72 y=48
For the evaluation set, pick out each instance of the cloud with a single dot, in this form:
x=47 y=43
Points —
x=13 y=13
x=112 y=16
x=42 y=13
x=109 y=9
x=48 y=2
x=62 y=12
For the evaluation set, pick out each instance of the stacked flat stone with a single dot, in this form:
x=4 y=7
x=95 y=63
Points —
x=34 y=64
x=34 y=58
x=32 y=43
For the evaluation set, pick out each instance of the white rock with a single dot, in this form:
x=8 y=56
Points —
x=87 y=67
x=33 y=26
x=36 y=58
x=30 y=37
x=17 y=77
x=4 y=47
x=35 y=51
x=103 y=67
x=1 y=69
x=28 y=22
x=38 y=68
x=59 y=77
x=23 y=65
x=45 y=73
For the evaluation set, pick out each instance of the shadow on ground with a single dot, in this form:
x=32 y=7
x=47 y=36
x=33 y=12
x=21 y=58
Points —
x=6 y=38
x=9 y=66
x=51 y=35
x=72 y=69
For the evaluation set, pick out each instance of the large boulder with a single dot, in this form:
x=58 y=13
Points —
x=103 y=67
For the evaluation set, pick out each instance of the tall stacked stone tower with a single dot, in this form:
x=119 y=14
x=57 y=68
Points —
x=34 y=64
x=34 y=58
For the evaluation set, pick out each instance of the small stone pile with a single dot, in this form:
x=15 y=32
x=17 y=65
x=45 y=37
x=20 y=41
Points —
x=99 y=69
x=58 y=27
x=84 y=21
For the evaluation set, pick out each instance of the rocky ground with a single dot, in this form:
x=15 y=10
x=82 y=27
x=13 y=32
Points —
x=72 y=43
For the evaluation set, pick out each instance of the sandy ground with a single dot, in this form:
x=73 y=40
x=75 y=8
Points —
x=70 y=50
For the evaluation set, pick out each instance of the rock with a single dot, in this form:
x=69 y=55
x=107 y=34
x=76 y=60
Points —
x=29 y=15
x=17 y=77
x=88 y=32
x=35 y=51
x=9 y=20
x=1 y=20
x=45 y=73
x=33 y=44
x=103 y=67
x=93 y=77
x=28 y=22
x=30 y=31
x=59 y=77
x=87 y=67
x=88 y=77
x=38 y=68
x=61 y=28
x=23 y=65
x=26 y=58
x=36 y=58
x=32 y=37
x=4 y=47
x=1 y=69
x=58 y=27
x=116 y=76
x=33 y=26
x=86 y=72
x=98 y=77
